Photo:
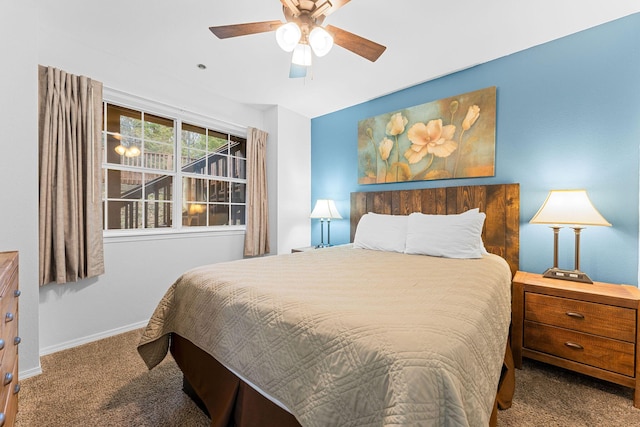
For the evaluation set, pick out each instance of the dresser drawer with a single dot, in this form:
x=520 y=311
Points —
x=599 y=319
x=604 y=353
x=9 y=399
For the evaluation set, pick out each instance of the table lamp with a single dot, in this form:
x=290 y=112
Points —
x=574 y=209
x=325 y=209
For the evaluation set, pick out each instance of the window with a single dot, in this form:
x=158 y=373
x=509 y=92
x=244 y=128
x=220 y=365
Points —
x=163 y=172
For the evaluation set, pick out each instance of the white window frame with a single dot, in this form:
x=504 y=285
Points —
x=116 y=97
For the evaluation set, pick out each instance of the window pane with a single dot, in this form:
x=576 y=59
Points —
x=194 y=189
x=238 y=167
x=124 y=215
x=238 y=192
x=218 y=191
x=194 y=214
x=237 y=214
x=158 y=214
x=194 y=137
x=218 y=165
x=194 y=161
x=124 y=184
x=158 y=129
x=218 y=214
x=218 y=142
x=158 y=155
x=239 y=147
x=124 y=121
x=158 y=187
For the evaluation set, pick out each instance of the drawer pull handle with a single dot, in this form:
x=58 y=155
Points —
x=573 y=345
x=8 y=318
x=8 y=377
x=1 y=344
x=575 y=315
x=17 y=340
x=17 y=293
x=16 y=389
x=2 y=418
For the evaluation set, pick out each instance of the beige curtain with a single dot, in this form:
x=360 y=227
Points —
x=256 y=239
x=70 y=111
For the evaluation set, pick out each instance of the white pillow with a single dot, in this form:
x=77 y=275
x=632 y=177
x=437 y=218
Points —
x=381 y=232
x=451 y=236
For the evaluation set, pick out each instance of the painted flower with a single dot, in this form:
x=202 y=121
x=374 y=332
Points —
x=472 y=115
x=396 y=124
x=384 y=148
x=432 y=138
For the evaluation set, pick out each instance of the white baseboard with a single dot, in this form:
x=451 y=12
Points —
x=30 y=372
x=95 y=337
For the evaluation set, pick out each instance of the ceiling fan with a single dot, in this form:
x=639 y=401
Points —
x=303 y=33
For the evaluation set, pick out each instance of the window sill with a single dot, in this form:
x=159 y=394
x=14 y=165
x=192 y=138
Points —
x=170 y=233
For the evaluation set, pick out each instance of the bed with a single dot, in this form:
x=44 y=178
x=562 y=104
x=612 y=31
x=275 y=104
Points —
x=346 y=336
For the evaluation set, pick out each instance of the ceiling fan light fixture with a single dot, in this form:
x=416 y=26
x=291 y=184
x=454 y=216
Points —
x=120 y=149
x=302 y=55
x=321 y=41
x=288 y=36
x=132 y=151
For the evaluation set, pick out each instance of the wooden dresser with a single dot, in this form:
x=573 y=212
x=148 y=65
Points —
x=9 y=338
x=587 y=328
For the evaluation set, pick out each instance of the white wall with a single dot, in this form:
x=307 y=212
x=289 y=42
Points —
x=19 y=163
x=139 y=271
x=289 y=176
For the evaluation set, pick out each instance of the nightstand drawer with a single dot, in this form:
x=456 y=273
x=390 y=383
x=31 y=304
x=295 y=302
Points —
x=612 y=355
x=599 y=319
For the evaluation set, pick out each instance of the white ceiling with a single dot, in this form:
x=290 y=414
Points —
x=425 y=40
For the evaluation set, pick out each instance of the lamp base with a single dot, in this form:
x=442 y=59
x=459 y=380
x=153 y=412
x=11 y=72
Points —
x=573 y=275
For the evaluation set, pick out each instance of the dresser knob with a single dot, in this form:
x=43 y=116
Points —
x=17 y=340
x=573 y=345
x=1 y=344
x=16 y=389
x=2 y=417
x=17 y=293
x=8 y=377
x=8 y=318
x=575 y=315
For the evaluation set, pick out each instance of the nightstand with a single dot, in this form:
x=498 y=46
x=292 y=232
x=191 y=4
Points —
x=305 y=249
x=587 y=328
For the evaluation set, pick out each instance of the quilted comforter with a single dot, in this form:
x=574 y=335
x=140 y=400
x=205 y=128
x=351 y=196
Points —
x=350 y=337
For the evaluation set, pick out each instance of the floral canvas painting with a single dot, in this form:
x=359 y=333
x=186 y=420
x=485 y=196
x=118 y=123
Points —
x=444 y=139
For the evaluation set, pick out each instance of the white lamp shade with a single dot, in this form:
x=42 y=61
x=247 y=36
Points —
x=302 y=55
x=568 y=207
x=288 y=36
x=321 y=41
x=325 y=209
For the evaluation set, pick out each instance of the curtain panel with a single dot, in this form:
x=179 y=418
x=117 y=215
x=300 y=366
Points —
x=256 y=239
x=70 y=228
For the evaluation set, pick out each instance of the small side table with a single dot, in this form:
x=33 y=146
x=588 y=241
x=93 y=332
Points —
x=587 y=328
x=304 y=249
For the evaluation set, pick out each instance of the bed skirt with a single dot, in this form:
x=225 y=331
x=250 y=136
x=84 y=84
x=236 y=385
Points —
x=230 y=402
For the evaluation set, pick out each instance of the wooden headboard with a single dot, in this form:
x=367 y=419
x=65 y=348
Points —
x=500 y=202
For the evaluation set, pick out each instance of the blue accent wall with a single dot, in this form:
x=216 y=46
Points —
x=568 y=117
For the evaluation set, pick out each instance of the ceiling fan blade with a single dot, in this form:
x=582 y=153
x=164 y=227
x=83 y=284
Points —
x=291 y=6
x=359 y=45
x=227 y=31
x=335 y=5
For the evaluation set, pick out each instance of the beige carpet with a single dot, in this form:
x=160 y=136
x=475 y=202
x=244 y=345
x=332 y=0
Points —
x=105 y=383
